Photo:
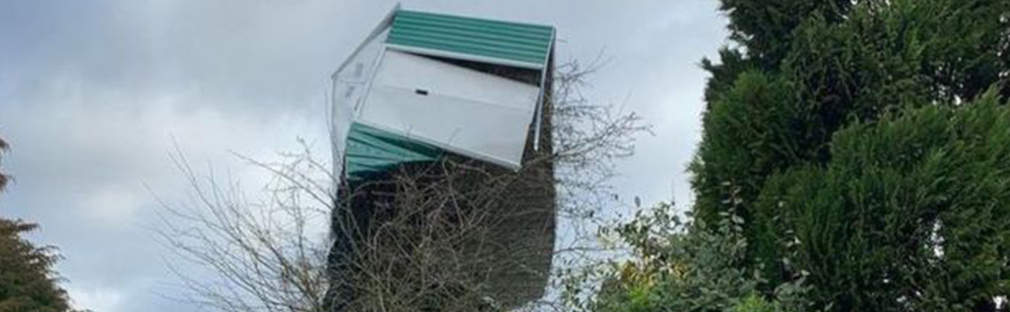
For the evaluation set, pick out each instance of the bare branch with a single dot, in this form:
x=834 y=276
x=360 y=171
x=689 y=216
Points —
x=440 y=236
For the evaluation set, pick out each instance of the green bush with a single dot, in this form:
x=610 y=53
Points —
x=684 y=266
x=850 y=138
x=912 y=213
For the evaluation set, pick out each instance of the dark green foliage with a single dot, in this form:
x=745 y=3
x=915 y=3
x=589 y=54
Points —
x=682 y=266
x=784 y=108
x=966 y=46
x=3 y=178
x=878 y=58
x=724 y=74
x=27 y=282
x=750 y=130
x=911 y=213
x=765 y=27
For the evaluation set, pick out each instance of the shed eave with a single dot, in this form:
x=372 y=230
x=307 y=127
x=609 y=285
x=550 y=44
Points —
x=383 y=25
x=465 y=57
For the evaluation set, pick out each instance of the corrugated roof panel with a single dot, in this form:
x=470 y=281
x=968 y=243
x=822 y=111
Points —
x=371 y=150
x=510 y=41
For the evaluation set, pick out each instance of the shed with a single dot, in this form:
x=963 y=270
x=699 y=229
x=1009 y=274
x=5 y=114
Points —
x=425 y=87
x=426 y=83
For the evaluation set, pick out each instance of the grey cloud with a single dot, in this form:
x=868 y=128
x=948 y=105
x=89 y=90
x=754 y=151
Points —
x=92 y=93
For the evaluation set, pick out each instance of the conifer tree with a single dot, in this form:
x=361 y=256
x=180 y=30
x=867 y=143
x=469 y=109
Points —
x=27 y=281
x=853 y=134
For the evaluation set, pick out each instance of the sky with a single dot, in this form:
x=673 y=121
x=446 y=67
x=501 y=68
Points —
x=95 y=95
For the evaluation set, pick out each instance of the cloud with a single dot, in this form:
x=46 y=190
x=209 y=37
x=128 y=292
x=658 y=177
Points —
x=93 y=94
x=110 y=206
x=87 y=158
x=96 y=298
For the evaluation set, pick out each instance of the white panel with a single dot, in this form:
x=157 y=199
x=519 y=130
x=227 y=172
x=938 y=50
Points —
x=490 y=132
x=464 y=111
x=352 y=79
x=350 y=84
x=411 y=71
x=358 y=67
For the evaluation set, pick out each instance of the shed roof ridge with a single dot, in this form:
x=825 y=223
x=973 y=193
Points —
x=472 y=18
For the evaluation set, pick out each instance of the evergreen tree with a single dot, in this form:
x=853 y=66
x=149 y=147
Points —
x=27 y=281
x=802 y=138
x=3 y=178
x=912 y=213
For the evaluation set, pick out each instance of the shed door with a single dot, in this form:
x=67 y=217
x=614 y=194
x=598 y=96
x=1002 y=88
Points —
x=459 y=109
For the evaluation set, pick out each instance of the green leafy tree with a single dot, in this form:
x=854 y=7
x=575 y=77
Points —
x=27 y=281
x=689 y=266
x=792 y=110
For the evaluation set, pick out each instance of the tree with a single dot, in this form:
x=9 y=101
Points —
x=3 y=177
x=803 y=80
x=912 y=213
x=259 y=253
x=27 y=280
x=688 y=266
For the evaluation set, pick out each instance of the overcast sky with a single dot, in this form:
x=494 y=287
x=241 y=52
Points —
x=93 y=93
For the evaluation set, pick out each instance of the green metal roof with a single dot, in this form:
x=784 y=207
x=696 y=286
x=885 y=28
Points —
x=526 y=44
x=372 y=150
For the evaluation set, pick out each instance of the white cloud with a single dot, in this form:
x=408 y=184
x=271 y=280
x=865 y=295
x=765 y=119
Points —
x=98 y=299
x=110 y=206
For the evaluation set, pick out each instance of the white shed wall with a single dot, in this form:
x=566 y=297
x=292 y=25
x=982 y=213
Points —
x=465 y=111
x=350 y=84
